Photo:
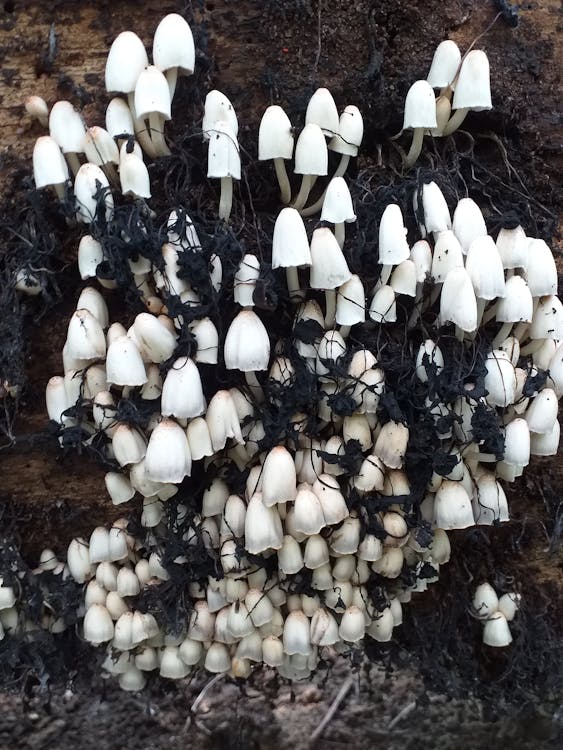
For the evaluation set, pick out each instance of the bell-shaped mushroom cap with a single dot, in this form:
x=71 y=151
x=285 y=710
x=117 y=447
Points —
x=222 y=420
x=468 y=223
x=547 y=322
x=541 y=273
x=245 y=280
x=247 y=346
x=127 y=58
x=403 y=279
x=322 y=111
x=445 y=64
x=484 y=266
x=67 y=127
x=99 y=147
x=496 y=632
x=173 y=45
x=452 y=506
x=545 y=444
x=512 y=245
x=124 y=365
x=420 y=106
x=541 y=415
x=262 y=526
x=458 y=303
x=290 y=246
x=429 y=360
x=517 y=304
x=351 y=302
x=447 y=256
x=155 y=340
x=473 y=86
x=311 y=153
x=152 y=94
x=329 y=268
x=337 y=203
x=88 y=184
x=393 y=245
x=383 y=307
x=435 y=209
x=350 y=132
x=489 y=501
x=421 y=256
x=134 y=176
x=517 y=443
x=500 y=380
x=275 y=139
x=119 y=120
x=182 y=393
x=49 y=165
x=279 y=483
x=223 y=158
x=85 y=337
x=218 y=108
x=168 y=457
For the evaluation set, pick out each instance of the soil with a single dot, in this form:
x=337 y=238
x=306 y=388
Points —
x=279 y=51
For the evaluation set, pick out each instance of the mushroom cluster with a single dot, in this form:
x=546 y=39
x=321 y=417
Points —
x=293 y=510
x=464 y=86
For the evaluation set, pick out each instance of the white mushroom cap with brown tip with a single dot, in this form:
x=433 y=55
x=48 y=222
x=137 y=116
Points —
x=247 y=346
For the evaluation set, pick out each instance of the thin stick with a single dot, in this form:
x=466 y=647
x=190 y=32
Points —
x=333 y=708
x=205 y=690
x=403 y=713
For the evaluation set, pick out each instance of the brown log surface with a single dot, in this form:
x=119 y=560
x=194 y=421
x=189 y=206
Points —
x=260 y=52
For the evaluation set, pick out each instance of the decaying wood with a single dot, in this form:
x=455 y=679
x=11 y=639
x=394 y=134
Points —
x=258 y=52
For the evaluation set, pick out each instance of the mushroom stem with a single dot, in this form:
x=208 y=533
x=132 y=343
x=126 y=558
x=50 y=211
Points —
x=111 y=173
x=226 y=200
x=480 y=310
x=60 y=191
x=455 y=121
x=340 y=169
x=330 y=296
x=340 y=233
x=156 y=125
x=172 y=77
x=384 y=275
x=531 y=348
x=254 y=385
x=295 y=292
x=416 y=147
x=522 y=328
x=141 y=130
x=283 y=180
x=502 y=335
x=417 y=306
x=307 y=183
x=73 y=162
x=490 y=314
x=345 y=331
x=459 y=333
